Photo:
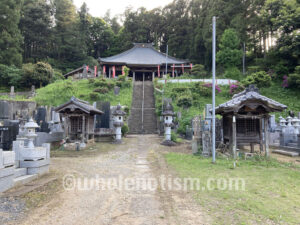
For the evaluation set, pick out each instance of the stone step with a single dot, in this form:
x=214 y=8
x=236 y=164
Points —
x=287 y=153
x=24 y=179
x=294 y=145
x=20 y=172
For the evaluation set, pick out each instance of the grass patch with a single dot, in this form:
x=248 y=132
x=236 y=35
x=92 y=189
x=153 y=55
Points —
x=289 y=97
x=61 y=91
x=271 y=193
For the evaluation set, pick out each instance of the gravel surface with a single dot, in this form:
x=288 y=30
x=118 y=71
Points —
x=138 y=157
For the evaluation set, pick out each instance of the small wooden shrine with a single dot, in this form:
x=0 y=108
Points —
x=246 y=119
x=79 y=119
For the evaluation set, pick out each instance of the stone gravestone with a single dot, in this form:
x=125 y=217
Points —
x=208 y=112
x=102 y=121
x=40 y=118
x=196 y=134
x=219 y=132
x=206 y=137
x=12 y=92
x=4 y=110
x=116 y=90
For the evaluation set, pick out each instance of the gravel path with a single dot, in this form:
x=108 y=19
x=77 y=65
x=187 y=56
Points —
x=139 y=157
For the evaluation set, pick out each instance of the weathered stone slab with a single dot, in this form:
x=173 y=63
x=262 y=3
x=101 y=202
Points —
x=287 y=153
x=6 y=178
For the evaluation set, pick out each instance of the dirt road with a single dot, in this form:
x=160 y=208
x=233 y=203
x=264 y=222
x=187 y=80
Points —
x=139 y=157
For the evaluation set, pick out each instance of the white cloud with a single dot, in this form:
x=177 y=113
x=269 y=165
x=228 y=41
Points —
x=99 y=7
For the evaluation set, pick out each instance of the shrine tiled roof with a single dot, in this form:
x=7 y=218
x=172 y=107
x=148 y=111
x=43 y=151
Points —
x=249 y=94
x=141 y=54
x=80 y=104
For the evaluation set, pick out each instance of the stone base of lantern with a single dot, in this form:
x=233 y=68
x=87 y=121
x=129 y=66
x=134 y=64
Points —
x=117 y=141
x=168 y=143
x=36 y=167
x=6 y=178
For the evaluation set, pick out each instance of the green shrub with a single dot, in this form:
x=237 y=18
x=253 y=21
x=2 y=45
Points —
x=232 y=73
x=91 y=81
x=202 y=90
x=179 y=91
x=10 y=76
x=184 y=101
x=294 y=78
x=121 y=78
x=199 y=71
x=57 y=75
x=260 y=79
x=125 y=130
x=281 y=70
x=102 y=90
x=174 y=136
x=94 y=96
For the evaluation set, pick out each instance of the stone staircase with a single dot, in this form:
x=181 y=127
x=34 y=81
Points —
x=142 y=119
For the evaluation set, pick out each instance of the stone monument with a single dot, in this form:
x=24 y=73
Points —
x=118 y=118
x=168 y=124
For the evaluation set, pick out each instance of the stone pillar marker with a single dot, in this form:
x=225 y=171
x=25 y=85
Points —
x=168 y=123
x=118 y=118
x=12 y=92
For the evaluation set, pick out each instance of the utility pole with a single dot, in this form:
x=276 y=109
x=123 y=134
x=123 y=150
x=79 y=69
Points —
x=167 y=60
x=214 y=91
x=244 y=59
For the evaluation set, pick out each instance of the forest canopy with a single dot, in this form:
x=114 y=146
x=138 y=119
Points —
x=57 y=33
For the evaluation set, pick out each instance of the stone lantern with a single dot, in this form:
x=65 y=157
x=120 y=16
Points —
x=118 y=117
x=168 y=123
x=296 y=124
x=30 y=132
x=282 y=122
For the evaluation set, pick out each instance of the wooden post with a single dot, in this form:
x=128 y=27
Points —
x=261 y=145
x=133 y=76
x=252 y=147
x=266 y=136
x=109 y=72
x=83 y=127
x=234 y=136
x=88 y=128
x=153 y=76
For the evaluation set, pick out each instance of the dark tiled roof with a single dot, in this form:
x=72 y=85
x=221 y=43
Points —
x=142 y=54
x=82 y=105
x=250 y=94
x=78 y=70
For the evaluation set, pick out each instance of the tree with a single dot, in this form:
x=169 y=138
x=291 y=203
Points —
x=38 y=74
x=68 y=47
x=229 y=54
x=10 y=36
x=101 y=38
x=35 y=25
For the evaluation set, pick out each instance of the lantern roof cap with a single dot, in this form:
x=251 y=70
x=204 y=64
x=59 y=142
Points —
x=119 y=111
x=168 y=110
x=31 y=124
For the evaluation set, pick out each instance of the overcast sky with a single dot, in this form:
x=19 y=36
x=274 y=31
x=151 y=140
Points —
x=99 y=7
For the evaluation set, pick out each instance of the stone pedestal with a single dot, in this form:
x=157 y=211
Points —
x=7 y=161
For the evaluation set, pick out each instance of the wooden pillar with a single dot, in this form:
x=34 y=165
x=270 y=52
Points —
x=261 y=145
x=109 y=72
x=266 y=136
x=83 y=127
x=88 y=128
x=252 y=147
x=66 y=125
x=153 y=76
x=133 y=76
x=234 y=136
